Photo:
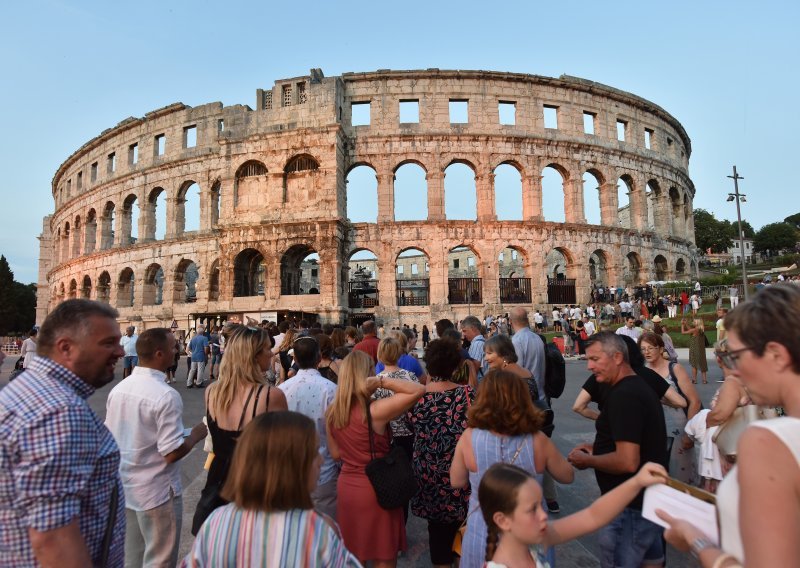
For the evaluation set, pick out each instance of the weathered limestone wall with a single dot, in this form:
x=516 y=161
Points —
x=274 y=177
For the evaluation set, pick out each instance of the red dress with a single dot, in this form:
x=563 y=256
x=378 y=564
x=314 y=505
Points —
x=369 y=531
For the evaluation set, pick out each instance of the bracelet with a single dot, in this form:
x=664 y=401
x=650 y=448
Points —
x=724 y=557
x=380 y=382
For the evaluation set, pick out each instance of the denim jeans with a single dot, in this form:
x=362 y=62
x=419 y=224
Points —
x=629 y=541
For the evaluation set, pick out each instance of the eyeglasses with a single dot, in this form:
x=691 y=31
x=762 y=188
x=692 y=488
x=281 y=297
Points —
x=731 y=358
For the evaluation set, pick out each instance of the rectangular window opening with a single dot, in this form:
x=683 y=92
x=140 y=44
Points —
x=470 y=261
x=287 y=95
x=80 y=181
x=399 y=268
x=622 y=126
x=220 y=125
x=455 y=263
x=69 y=186
x=160 y=145
x=648 y=138
x=669 y=141
x=94 y=172
x=190 y=136
x=267 y=100
x=112 y=162
x=409 y=111
x=414 y=269
x=359 y=113
x=588 y=122
x=459 y=111
x=551 y=117
x=301 y=93
x=508 y=112
x=133 y=154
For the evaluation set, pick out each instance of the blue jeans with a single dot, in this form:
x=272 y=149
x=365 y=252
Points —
x=130 y=361
x=629 y=541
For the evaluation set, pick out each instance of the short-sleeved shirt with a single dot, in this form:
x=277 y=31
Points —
x=406 y=362
x=530 y=355
x=476 y=352
x=213 y=342
x=197 y=346
x=399 y=426
x=145 y=415
x=631 y=413
x=598 y=391
x=58 y=462
x=129 y=345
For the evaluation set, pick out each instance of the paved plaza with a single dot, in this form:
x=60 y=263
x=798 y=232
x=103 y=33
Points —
x=571 y=429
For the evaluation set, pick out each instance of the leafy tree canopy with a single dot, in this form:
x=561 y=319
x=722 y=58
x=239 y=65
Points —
x=776 y=236
x=17 y=302
x=711 y=233
x=794 y=220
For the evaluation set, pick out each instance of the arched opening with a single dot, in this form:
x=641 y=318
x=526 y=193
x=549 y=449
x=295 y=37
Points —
x=362 y=279
x=631 y=273
x=592 y=181
x=153 y=289
x=460 y=192
x=213 y=282
x=652 y=197
x=86 y=288
x=126 y=288
x=624 y=192
x=90 y=232
x=661 y=267
x=299 y=179
x=412 y=270
x=187 y=216
x=680 y=269
x=598 y=269
x=554 y=180
x=559 y=264
x=250 y=178
x=249 y=272
x=464 y=283
x=130 y=221
x=61 y=293
x=515 y=283
x=108 y=223
x=65 y=242
x=186 y=276
x=300 y=271
x=73 y=289
x=362 y=195
x=508 y=193
x=410 y=193
x=677 y=210
x=104 y=287
x=76 y=237
x=214 y=197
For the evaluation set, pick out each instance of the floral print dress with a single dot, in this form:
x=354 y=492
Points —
x=438 y=420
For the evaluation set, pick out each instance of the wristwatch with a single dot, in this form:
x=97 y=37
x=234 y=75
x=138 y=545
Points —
x=699 y=545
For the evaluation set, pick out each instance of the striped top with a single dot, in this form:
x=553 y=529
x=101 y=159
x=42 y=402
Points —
x=233 y=537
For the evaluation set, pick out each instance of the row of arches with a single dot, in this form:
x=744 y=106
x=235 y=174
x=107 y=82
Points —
x=593 y=197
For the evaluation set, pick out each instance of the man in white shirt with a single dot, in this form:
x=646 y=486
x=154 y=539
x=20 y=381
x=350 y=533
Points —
x=309 y=393
x=588 y=325
x=128 y=342
x=734 y=294
x=629 y=329
x=538 y=319
x=145 y=415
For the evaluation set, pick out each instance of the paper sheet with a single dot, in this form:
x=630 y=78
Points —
x=681 y=506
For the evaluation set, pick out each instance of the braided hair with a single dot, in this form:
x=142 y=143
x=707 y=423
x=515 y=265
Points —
x=497 y=493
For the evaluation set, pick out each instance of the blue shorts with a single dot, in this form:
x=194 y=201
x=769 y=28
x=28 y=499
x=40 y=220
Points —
x=129 y=362
x=630 y=541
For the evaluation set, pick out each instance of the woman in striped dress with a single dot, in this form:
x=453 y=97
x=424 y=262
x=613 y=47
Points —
x=270 y=521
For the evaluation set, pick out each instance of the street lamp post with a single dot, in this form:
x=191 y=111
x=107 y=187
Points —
x=739 y=197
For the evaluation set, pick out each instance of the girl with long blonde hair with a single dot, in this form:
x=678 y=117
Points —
x=232 y=402
x=370 y=532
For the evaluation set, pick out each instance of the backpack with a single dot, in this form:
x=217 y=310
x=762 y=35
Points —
x=555 y=373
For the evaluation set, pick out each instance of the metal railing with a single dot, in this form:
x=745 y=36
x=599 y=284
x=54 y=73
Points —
x=362 y=293
x=464 y=291
x=515 y=290
x=413 y=292
x=561 y=291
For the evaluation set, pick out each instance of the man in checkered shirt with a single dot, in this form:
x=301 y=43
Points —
x=61 y=500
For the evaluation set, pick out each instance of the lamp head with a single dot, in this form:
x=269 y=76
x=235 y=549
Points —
x=730 y=197
x=742 y=199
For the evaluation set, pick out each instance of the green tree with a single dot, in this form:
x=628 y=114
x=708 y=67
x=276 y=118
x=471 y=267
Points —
x=794 y=220
x=775 y=236
x=747 y=229
x=712 y=234
x=7 y=307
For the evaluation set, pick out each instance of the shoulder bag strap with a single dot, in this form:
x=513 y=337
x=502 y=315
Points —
x=516 y=454
x=244 y=408
x=369 y=429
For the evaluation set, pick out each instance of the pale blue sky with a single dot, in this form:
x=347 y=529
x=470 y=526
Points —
x=726 y=70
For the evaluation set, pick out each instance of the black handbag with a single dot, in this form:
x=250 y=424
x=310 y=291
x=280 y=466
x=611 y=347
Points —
x=391 y=476
x=209 y=501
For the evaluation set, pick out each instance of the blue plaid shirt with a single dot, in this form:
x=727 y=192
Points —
x=58 y=461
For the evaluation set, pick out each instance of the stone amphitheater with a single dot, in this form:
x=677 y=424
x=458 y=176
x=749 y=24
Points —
x=214 y=213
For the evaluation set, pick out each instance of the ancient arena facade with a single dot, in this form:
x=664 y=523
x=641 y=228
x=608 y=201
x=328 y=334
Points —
x=270 y=233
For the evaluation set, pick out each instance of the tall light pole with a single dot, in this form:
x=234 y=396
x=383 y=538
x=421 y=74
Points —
x=739 y=197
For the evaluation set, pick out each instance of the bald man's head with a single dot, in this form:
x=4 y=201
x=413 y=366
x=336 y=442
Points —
x=519 y=318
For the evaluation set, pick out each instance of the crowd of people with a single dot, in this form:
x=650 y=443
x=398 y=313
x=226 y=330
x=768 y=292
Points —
x=297 y=416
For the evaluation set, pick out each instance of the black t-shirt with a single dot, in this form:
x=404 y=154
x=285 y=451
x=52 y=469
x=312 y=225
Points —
x=631 y=413
x=599 y=391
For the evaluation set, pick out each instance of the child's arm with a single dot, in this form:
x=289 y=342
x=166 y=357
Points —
x=603 y=511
